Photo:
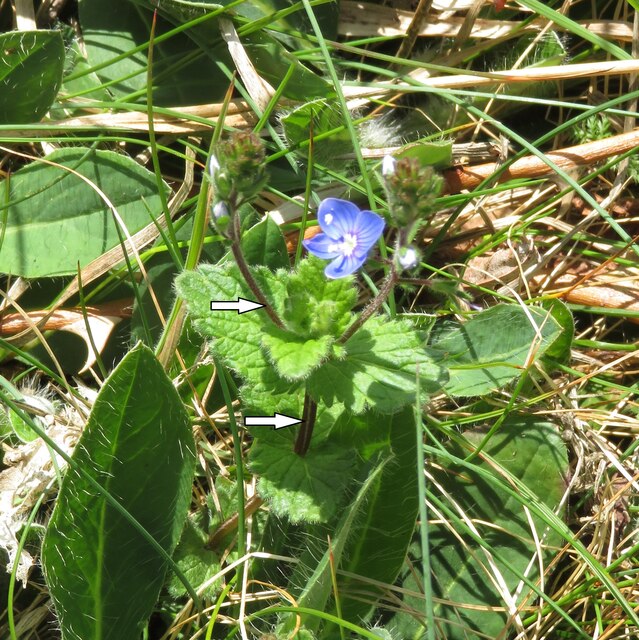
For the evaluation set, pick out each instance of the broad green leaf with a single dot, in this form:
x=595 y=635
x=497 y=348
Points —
x=493 y=347
x=294 y=357
x=531 y=451
x=272 y=61
x=316 y=306
x=31 y=68
x=328 y=122
x=236 y=338
x=305 y=489
x=111 y=35
x=195 y=560
x=559 y=350
x=378 y=546
x=79 y=78
x=264 y=244
x=56 y=219
x=379 y=369
x=437 y=154
x=103 y=576
x=314 y=577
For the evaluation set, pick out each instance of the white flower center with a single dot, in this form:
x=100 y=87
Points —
x=348 y=244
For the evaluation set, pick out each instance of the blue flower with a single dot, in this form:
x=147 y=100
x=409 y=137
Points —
x=348 y=236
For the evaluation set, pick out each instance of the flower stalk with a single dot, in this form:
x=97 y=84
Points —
x=245 y=270
x=373 y=306
x=237 y=174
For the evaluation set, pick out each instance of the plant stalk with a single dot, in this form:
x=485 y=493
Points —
x=373 y=305
x=246 y=271
x=305 y=433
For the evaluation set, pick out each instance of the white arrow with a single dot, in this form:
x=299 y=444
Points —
x=241 y=306
x=278 y=421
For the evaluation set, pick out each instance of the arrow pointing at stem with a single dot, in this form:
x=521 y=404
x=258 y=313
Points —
x=241 y=306
x=278 y=421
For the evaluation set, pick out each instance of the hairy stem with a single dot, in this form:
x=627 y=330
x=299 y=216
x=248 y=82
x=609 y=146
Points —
x=373 y=305
x=230 y=524
x=305 y=433
x=246 y=271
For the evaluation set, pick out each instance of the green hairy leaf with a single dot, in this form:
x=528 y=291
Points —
x=104 y=577
x=31 y=68
x=269 y=358
x=381 y=367
x=477 y=556
x=236 y=338
x=57 y=219
x=302 y=488
x=493 y=347
x=316 y=306
x=377 y=367
x=294 y=358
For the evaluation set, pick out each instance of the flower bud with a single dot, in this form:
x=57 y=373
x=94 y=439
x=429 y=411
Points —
x=408 y=257
x=388 y=166
x=221 y=216
x=214 y=165
x=220 y=210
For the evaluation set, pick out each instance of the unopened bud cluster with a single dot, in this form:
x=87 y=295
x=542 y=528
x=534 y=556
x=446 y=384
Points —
x=238 y=175
x=411 y=188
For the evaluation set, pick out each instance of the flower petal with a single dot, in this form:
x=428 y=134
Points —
x=344 y=266
x=321 y=246
x=369 y=227
x=337 y=217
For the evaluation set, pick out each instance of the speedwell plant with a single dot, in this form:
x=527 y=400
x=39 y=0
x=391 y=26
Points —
x=309 y=353
x=323 y=350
